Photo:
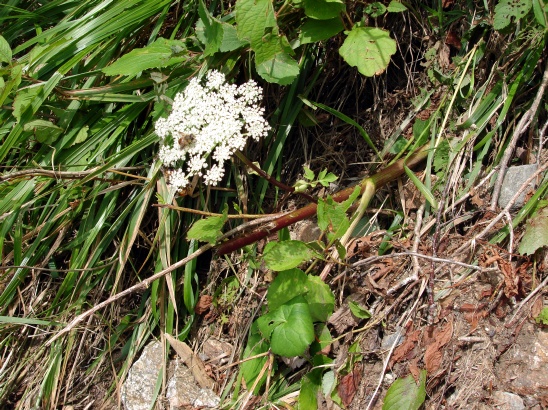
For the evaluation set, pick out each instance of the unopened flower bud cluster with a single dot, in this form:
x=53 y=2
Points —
x=209 y=121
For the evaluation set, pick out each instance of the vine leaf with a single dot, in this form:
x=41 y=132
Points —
x=369 y=49
x=536 y=233
x=506 y=9
x=280 y=256
x=406 y=394
x=289 y=328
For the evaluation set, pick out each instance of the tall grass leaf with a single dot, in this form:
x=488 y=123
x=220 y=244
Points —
x=422 y=188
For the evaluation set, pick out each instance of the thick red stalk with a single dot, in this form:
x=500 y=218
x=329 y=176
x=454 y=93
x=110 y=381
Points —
x=379 y=179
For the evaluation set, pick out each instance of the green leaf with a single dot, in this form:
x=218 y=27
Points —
x=396 y=7
x=208 y=229
x=536 y=233
x=506 y=9
x=287 y=285
x=320 y=299
x=82 y=135
x=44 y=131
x=281 y=69
x=332 y=215
x=325 y=179
x=540 y=14
x=375 y=9
x=5 y=51
x=161 y=53
x=323 y=9
x=323 y=339
x=286 y=255
x=28 y=321
x=358 y=311
x=399 y=145
x=369 y=49
x=313 y=31
x=421 y=187
x=230 y=39
x=421 y=130
x=310 y=385
x=441 y=156
x=255 y=18
x=309 y=174
x=24 y=99
x=250 y=369
x=405 y=394
x=212 y=30
x=289 y=328
x=542 y=317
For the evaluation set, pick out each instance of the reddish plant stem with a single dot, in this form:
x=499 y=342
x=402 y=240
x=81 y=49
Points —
x=379 y=179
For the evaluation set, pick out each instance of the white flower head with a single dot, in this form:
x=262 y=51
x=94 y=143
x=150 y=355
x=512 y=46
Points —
x=209 y=121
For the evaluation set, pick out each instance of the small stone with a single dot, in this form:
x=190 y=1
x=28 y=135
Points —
x=507 y=401
x=138 y=389
x=522 y=368
x=513 y=180
x=183 y=392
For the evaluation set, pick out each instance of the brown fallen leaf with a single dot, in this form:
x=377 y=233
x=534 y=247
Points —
x=203 y=305
x=349 y=384
x=192 y=361
x=433 y=355
x=404 y=351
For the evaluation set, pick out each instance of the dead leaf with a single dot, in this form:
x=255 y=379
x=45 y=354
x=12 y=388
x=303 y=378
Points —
x=358 y=246
x=536 y=307
x=414 y=369
x=192 y=361
x=453 y=39
x=433 y=355
x=402 y=352
x=477 y=200
x=349 y=384
x=511 y=280
x=203 y=305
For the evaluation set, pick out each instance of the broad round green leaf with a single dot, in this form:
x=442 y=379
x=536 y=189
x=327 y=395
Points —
x=281 y=69
x=207 y=230
x=323 y=9
x=536 y=233
x=506 y=9
x=289 y=328
x=369 y=49
x=396 y=7
x=45 y=131
x=287 y=285
x=405 y=394
x=320 y=299
x=286 y=255
x=5 y=51
x=318 y=30
x=254 y=19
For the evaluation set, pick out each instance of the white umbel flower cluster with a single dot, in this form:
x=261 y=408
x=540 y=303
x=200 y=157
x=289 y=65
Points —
x=209 y=121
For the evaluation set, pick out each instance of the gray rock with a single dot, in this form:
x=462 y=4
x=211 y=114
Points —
x=507 y=401
x=138 y=388
x=522 y=368
x=183 y=392
x=515 y=177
